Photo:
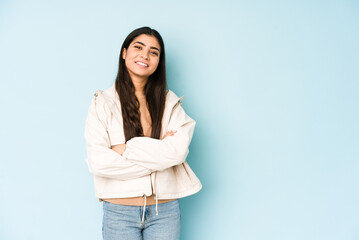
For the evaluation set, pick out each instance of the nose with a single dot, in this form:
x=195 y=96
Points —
x=144 y=54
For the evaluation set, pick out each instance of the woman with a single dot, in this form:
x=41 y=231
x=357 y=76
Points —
x=137 y=137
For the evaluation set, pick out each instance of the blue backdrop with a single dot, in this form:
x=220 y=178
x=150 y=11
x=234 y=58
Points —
x=273 y=86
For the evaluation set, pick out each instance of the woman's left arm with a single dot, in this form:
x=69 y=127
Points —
x=158 y=154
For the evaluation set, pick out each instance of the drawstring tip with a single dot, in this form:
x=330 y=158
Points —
x=144 y=210
x=156 y=205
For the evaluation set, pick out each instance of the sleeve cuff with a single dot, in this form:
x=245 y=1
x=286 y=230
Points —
x=126 y=152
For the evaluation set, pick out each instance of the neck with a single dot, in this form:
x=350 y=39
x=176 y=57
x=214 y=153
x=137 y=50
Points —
x=139 y=84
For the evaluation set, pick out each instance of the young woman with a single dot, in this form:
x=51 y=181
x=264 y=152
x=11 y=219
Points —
x=137 y=137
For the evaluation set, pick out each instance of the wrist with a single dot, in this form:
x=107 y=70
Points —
x=123 y=149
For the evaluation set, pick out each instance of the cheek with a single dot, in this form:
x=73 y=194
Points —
x=155 y=63
x=126 y=63
x=130 y=54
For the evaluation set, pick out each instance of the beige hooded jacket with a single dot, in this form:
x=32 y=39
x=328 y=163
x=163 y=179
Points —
x=148 y=166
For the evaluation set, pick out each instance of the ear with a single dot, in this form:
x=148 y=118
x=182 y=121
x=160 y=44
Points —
x=124 y=53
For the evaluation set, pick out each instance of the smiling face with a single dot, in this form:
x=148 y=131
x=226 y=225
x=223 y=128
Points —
x=142 y=56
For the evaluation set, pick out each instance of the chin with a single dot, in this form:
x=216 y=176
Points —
x=141 y=74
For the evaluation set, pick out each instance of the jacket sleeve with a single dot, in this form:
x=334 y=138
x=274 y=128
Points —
x=161 y=154
x=101 y=159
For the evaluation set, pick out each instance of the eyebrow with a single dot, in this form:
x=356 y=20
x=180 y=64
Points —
x=145 y=45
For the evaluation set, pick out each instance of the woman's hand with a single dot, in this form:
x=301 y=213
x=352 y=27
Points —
x=169 y=133
x=119 y=148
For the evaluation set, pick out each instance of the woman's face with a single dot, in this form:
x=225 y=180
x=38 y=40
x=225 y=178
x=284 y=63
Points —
x=142 y=56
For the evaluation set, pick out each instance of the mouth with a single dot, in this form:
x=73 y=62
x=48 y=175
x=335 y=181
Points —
x=141 y=64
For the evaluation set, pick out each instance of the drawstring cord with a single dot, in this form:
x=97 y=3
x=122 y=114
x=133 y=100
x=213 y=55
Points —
x=155 y=192
x=144 y=206
x=156 y=204
x=144 y=210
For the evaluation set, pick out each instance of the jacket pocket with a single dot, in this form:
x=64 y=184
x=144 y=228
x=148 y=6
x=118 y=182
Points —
x=191 y=175
x=185 y=175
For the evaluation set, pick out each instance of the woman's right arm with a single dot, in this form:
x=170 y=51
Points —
x=121 y=148
x=101 y=159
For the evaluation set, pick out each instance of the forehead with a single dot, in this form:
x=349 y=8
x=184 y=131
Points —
x=148 y=40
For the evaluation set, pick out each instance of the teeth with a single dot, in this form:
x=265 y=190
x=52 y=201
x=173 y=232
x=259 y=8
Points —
x=143 y=64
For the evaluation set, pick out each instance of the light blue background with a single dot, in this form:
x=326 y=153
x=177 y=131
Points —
x=273 y=86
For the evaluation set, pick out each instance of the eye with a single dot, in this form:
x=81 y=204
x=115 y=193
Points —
x=138 y=47
x=155 y=53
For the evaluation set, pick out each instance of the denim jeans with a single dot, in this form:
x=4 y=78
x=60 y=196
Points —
x=125 y=222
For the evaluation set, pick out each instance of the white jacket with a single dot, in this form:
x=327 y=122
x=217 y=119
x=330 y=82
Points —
x=148 y=166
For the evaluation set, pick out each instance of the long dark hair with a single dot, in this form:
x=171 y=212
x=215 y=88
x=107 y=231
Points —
x=154 y=90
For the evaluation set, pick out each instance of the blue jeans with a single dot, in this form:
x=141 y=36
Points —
x=125 y=222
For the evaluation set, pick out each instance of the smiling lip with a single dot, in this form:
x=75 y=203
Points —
x=142 y=64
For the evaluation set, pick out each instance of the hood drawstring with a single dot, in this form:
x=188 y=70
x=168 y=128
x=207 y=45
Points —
x=156 y=205
x=144 y=206
x=144 y=210
x=154 y=189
